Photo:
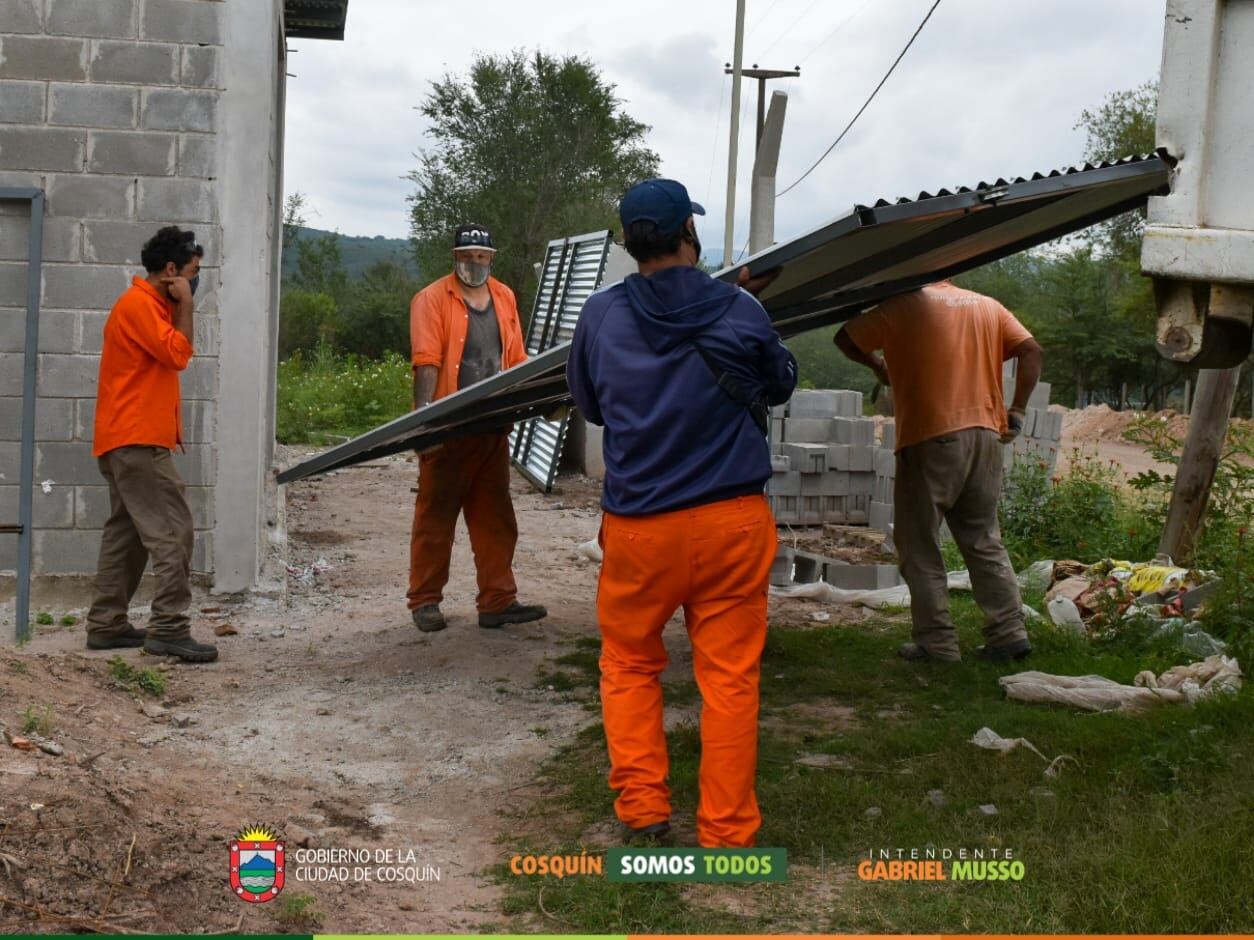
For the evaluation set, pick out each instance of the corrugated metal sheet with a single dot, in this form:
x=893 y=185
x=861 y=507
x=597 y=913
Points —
x=828 y=275
x=572 y=270
x=314 y=19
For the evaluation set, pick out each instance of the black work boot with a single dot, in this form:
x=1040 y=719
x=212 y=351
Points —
x=914 y=653
x=428 y=618
x=184 y=648
x=128 y=637
x=652 y=833
x=1004 y=652
x=514 y=613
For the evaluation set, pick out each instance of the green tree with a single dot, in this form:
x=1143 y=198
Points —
x=535 y=147
x=320 y=267
x=375 y=314
x=307 y=319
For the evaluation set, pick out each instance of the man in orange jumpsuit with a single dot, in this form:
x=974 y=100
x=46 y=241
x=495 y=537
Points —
x=463 y=329
x=680 y=369
x=943 y=352
x=147 y=343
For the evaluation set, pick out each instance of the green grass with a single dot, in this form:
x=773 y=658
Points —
x=145 y=679
x=36 y=721
x=325 y=397
x=1152 y=830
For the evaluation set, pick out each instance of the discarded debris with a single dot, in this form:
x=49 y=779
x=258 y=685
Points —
x=986 y=809
x=1215 y=675
x=937 y=798
x=591 y=550
x=990 y=740
x=225 y=629
x=22 y=744
x=308 y=573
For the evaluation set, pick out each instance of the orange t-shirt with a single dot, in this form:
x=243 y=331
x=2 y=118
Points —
x=137 y=397
x=944 y=348
x=438 y=321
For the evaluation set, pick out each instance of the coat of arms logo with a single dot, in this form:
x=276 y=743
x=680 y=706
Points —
x=257 y=865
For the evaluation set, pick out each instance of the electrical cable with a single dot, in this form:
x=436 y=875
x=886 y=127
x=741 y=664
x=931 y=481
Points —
x=836 y=29
x=866 y=103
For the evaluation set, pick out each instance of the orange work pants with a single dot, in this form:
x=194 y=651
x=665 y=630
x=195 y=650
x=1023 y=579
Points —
x=714 y=561
x=469 y=476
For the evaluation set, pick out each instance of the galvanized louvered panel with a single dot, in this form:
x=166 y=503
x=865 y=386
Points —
x=571 y=274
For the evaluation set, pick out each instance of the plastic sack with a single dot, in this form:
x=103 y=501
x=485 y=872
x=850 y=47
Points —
x=1179 y=685
x=898 y=596
x=1189 y=637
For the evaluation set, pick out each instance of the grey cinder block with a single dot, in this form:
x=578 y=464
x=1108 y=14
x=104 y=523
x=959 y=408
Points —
x=834 y=508
x=861 y=484
x=47 y=149
x=11 y=374
x=198 y=465
x=83 y=287
x=200 y=378
x=112 y=19
x=51 y=510
x=888 y=435
x=862 y=458
x=885 y=463
x=838 y=457
x=780 y=463
x=813 y=403
x=54 y=419
x=67 y=464
x=785 y=509
x=174 y=109
x=90 y=197
x=808 y=458
x=189 y=21
x=162 y=199
x=22 y=103
x=93 y=105
x=880 y=516
x=66 y=551
x=787 y=483
x=810 y=511
x=20 y=16
x=43 y=58
x=200 y=67
x=848 y=404
x=134 y=154
x=781 y=568
x=198 y=156
x=133 y=63
x=808 y=430
x=61 y=243
x=806 y=568
x=67 y=376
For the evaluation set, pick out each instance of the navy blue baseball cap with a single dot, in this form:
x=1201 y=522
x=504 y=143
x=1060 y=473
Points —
x=665 y=203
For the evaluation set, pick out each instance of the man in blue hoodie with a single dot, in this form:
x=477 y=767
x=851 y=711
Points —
x=679 y=369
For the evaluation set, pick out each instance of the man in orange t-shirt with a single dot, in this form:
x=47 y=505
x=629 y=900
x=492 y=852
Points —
x=147 y=343
x=464 y=329
x=943 y=353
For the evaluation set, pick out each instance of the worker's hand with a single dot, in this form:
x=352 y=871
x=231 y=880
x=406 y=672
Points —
x=560 y=413
x=178 y=287
x=1014 y=424
x=755 y=285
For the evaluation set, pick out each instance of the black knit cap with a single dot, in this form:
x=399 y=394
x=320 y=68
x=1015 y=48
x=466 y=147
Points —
x=472 y=236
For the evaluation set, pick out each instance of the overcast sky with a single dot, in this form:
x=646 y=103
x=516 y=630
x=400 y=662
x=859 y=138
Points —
x=991 y=88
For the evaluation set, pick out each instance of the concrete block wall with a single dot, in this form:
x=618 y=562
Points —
x=824 y=454
x=112 y=108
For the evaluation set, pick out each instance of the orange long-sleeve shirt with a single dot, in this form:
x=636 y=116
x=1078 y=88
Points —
x=137 y=398
x=437 y=329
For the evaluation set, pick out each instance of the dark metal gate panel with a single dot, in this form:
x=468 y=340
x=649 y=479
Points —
x=571 y=274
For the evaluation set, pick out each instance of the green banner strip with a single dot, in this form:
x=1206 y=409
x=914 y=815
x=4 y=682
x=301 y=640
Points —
x=730 y=866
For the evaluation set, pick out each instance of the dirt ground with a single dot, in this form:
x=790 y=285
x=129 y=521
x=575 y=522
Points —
x=327 y=717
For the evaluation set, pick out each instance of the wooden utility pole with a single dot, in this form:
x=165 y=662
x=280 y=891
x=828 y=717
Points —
x=729 y=217
x=1208 y=426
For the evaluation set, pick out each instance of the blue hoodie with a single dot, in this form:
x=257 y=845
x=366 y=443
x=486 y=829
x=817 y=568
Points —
x=674 y=439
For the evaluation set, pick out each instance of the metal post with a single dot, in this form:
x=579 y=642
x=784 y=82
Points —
x=729 y=217
x=762 y=204
x=30 y=364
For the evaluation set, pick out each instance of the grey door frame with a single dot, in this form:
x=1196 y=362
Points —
x=30 y=367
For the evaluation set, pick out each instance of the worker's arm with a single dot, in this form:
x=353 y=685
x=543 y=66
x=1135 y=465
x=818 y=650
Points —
x=844 y=342
x=181 y=292
x=1027 y=373
x=425 y=378
x=169 y=344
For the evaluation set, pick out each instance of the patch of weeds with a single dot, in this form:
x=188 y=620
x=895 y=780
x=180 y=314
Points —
x=44 y=619
x=296 y=912
x=540 y=731
x=18 y=666
x=145 y=679
x=36 y=722
x=68 y=620
x=556 y=681
x=681 y=692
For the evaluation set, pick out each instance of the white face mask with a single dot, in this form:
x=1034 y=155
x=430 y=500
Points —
x=471 y=274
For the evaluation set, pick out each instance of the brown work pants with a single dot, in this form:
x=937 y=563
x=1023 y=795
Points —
x=148 y=518
x=957 y=478
x=469 y=476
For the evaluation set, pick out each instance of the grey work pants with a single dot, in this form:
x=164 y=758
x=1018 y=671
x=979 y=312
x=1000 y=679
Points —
x=957 y=478
x=149 y=518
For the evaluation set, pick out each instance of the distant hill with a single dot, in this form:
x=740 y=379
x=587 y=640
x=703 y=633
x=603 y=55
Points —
x=358 y=251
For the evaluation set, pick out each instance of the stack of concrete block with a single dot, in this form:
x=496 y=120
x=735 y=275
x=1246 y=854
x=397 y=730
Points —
x=793 y=566
x=823 y=459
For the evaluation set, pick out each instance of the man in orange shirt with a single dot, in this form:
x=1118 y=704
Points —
x=943 y=353
x=463 y=329
x=147 y=343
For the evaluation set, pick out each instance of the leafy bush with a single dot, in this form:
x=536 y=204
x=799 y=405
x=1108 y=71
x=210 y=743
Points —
x=145 y=679
x=327 y=396
x=1085 y=515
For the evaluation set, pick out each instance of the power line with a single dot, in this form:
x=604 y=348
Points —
x=838 y=27
x=797 y=19
x=866 y=103
x=718 y=120
x=762 y=19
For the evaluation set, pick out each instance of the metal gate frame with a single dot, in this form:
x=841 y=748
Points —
x=30 y=366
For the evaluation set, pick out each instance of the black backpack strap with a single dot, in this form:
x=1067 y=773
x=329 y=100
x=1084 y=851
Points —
x=734 y=387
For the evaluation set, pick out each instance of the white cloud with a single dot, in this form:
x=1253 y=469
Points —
x=991 y=88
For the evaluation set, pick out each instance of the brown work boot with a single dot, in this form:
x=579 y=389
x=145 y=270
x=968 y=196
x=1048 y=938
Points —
x=514 y=613
x=914 y=653
x=428 y=618
x=1005 y=652
x=127 y=637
